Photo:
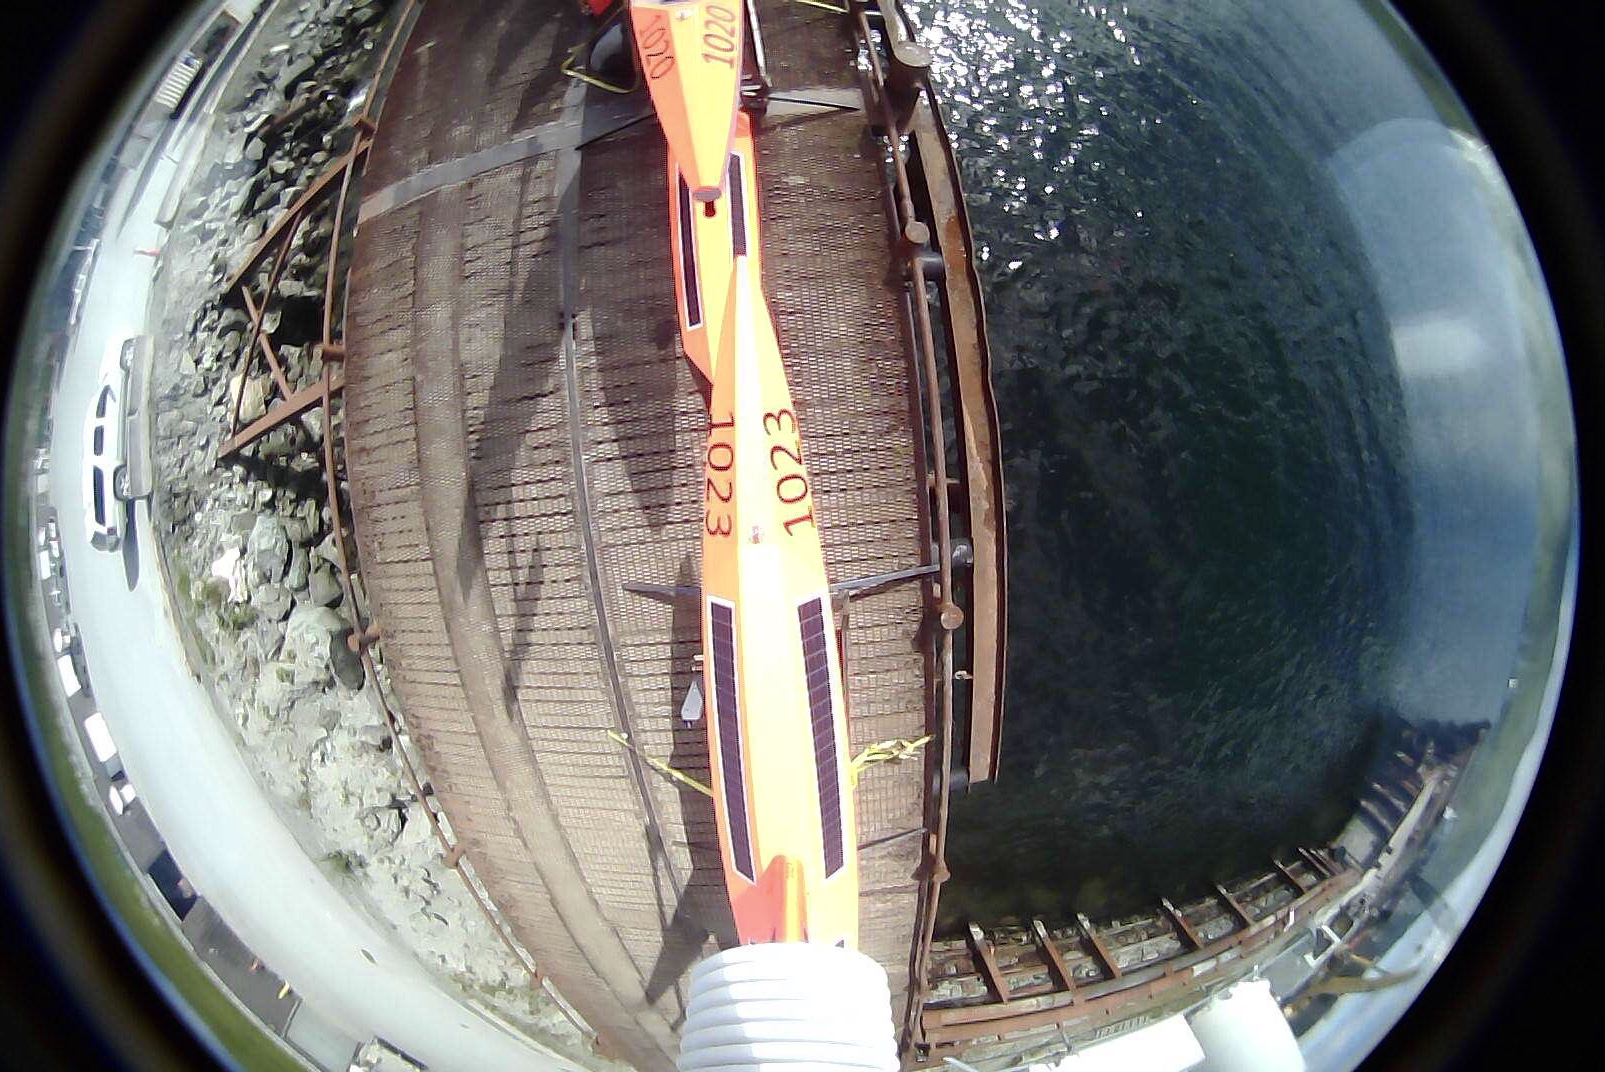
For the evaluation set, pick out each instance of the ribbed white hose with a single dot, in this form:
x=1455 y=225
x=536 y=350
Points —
x=788 y=1005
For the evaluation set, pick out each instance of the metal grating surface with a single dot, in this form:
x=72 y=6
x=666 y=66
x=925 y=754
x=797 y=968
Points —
x=506 y=485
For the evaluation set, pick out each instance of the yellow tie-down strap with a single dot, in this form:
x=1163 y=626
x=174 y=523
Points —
x=879 y=752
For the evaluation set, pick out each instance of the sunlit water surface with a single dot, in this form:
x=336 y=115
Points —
x=1205 y=449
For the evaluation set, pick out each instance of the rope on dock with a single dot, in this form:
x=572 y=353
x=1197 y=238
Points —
x=660 y=766
x=880 y=752
x=886 y=752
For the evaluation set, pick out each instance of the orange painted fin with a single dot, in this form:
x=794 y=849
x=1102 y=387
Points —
x=782 y=889
x=707 y=237
x=690 y=52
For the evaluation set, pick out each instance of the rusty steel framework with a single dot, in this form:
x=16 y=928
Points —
x=1020 y=1005
x=292 y=402
x=932 y=255
x=278 y=239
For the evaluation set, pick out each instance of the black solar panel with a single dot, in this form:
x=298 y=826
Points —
x=822 y=718
x=738 y=208
x=688 y=260
x=728 y=720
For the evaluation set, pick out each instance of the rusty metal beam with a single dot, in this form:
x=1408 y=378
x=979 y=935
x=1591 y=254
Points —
x=1050 y=953
x=334 y=243
x=331 y=480
x=1321 y=867
x=260 y=338
x=1098 y=1000
x=288 y=409
x=1180 y=921
x=981 y=949
x=907 y=64
x=1106 y=959
x=1287 y=873
x=1237 y=909
x=912 y=232
x=1185 y=962
x=300 y=204
x=249 y=357
x=980 y=446
x=367 y=119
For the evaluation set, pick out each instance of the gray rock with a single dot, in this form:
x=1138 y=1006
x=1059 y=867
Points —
x=268 y=196
x=242 y=522
x=254 y=148
x=374 y=735
x=295 y=527
x=279 y=443
x=272 y=601
x=310 y=514
x=323 y=587
x=267 y=549
x=384 y=822
x=296 y=577
x=328 y=551
x=307 y=639
x=347 y=664
x=254 y=402
x=309 y=713
x=297 y=72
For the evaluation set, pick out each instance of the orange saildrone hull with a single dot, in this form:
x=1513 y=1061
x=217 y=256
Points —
x=777 y=723
x=690 y=53
x=707 y=238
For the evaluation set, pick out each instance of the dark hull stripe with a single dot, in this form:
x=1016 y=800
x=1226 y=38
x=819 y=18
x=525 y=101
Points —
x=688 y=260
x=822 y=718
x=738 y=208
x=729 y=724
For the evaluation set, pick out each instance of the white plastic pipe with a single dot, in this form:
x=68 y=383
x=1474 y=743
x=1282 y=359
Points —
x=787 y=1005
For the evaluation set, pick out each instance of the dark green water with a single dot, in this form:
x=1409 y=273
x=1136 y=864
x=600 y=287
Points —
x=1204 y=442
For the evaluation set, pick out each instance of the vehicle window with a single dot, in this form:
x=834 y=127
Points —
x=105 y=397
x=100 y=498
x=128 y=349
x=100 y=440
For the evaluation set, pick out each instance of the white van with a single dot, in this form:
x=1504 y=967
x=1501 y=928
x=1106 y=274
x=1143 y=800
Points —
x=100 y=742
x=105 y=467
x=69 y=677
x=50 y=536
x=120 y=795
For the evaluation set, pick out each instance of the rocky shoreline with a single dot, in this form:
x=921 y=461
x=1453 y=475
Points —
x=248 y=546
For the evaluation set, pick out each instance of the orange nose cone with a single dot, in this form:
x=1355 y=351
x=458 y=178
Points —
x=690 y=52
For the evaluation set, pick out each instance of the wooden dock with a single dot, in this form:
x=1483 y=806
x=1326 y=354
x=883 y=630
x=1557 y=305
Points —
x=523 y=441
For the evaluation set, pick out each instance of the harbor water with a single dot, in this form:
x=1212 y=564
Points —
x=1209 y=505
